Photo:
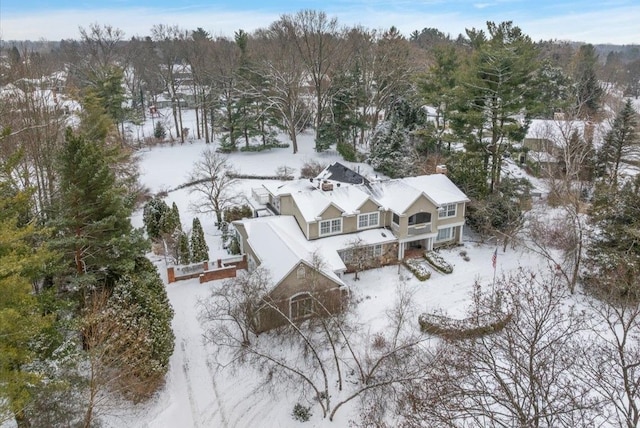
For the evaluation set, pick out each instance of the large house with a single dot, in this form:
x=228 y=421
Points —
x=340 y=222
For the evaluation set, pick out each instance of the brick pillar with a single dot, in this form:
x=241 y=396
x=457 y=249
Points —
x=171 y=275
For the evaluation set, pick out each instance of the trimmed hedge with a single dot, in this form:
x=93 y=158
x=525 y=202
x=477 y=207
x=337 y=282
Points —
x=454 y=329
x=438 y=262
x=418 y=269
x=262 y=147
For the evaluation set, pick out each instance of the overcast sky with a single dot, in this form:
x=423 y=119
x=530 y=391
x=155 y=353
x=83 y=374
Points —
x=604 y=21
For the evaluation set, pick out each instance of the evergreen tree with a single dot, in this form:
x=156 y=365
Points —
x=621 y=142
x=184 y=252
x=153 y=217
x=436 y=89
x=496 y=88
x=393 y=142
x=199 y=248
x=26 y=333
x=171 y=221
x=93 y=231
x=588 y=93
x=141 y=314
x=614 y=251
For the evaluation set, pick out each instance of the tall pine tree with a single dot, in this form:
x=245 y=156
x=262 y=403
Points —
x=93 y=230
x=621 y=142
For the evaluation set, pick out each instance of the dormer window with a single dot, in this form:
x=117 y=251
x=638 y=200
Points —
x=330 y=227
x=368 y=220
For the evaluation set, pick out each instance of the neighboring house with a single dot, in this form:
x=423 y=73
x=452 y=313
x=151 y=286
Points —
x=347 y=223
x=548 y=141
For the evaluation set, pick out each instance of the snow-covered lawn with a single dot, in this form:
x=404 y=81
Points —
x=197 y=394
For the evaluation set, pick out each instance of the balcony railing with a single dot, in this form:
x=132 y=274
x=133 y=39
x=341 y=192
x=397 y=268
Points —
x=419 y=229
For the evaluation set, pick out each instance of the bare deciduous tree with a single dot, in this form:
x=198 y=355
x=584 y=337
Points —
x=525 y=375
x=333 y=358
x=612 y=363
x=213 y=179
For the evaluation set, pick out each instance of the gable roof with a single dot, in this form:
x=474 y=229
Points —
x=399 y=194
x=280 y=246
x=340 y=173
x=347 y=199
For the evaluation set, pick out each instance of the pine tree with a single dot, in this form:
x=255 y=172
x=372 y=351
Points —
x=495 y=89
x=199 y=248
x=153 y=217
x=621 y=142
x=25 y=327
x=171 y=221
x=587 y=87
x=614 y=251
x=184 y=252
x=93 y=230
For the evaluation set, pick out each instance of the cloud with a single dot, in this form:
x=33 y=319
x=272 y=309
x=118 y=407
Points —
x=620 y=25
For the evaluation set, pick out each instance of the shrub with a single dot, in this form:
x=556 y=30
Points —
x=347 y=151
x=452 y=329
x=311 y=169
x=438 y=262
x=418 y=269
x=159 y=131
x=261 y=147
x=237 y=212
x=301 y=413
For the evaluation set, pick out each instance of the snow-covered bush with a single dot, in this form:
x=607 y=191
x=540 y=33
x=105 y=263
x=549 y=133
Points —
x=418 y=269
x=438 y=262
x=301 y=413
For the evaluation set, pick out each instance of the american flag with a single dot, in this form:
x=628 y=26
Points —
x=494 y=258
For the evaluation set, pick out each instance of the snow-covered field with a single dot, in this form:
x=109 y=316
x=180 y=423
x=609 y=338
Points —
x=199 y=394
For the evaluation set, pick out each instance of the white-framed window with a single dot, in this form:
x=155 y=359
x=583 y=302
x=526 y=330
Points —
x=301 y=272
x=300 y=306
x=368 y=220
x=330 y=227
x=445 y=234
x=377 y=250
x=446 y=211
x=396 y=219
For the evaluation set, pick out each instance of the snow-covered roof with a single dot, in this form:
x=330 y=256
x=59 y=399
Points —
x=398 y=195
x=347 y=199
x=559 y=132
x=277 y=188
x=438 y=187
x=281 y=246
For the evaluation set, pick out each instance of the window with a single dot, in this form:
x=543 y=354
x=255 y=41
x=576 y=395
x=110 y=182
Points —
x=444 y=234
x=377 y=250
x=301 y=273
x=420 y=218
x=368 y=220
x=396 y=219
x=301 y=306
x=329 y=227
x=446 y=211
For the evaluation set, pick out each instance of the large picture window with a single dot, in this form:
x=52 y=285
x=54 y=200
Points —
x=301 y=306
x=368 y=220
x=330 y=227
x=445 y=234
x=446 y=211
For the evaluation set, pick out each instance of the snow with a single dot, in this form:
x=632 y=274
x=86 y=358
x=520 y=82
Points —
x=198 y=393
